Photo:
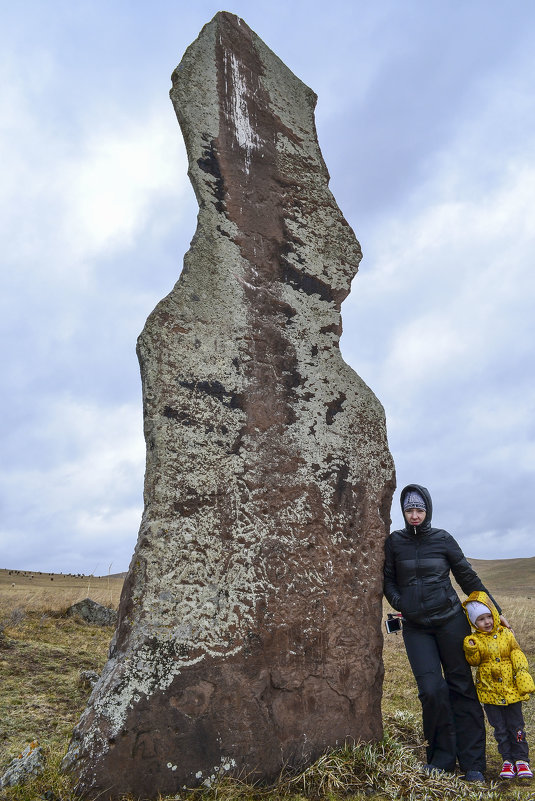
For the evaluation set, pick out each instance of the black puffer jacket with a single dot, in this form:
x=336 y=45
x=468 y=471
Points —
x=418 y=561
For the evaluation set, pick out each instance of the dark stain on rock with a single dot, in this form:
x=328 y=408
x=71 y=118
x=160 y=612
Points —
x=334 y=328
x=334 y=407
x=343 y=488
x=210 y=164
x=234 y=400
x=189 y=506
x=174 y=414
x=299 y=279
x=237 y=444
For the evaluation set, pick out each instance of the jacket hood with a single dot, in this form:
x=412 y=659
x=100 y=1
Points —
x=424 y=492
x=483 y=598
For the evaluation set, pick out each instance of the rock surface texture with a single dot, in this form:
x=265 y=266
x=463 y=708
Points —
x=249 y=633
x=27 y=765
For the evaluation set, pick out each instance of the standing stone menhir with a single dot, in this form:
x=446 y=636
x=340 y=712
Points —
x=249 y=626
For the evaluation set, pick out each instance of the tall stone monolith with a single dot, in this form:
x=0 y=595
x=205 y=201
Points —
x=249 y=627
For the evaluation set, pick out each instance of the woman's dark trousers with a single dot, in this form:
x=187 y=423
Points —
x=452 y=715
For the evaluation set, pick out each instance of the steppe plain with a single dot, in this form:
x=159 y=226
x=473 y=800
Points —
x=43 y=652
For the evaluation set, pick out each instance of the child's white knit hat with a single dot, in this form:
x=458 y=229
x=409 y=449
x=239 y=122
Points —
x=475 y=609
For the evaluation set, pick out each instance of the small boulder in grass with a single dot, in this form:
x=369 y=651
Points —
x=88 y=678
x=93 y=612
x=27 y=765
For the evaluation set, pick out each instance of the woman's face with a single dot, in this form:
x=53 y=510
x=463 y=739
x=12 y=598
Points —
x=414 y=516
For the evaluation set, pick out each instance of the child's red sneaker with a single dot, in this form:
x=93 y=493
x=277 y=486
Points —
x=508 y=770
x=523 y=770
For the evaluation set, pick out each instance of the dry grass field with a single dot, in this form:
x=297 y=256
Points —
x=40 y=592
x=42 y=653
x=510 y=577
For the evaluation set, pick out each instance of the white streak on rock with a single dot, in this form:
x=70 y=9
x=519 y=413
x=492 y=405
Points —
x=246 y=137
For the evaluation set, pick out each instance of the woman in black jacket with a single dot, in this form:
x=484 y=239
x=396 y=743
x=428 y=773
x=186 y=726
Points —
x=418 y=561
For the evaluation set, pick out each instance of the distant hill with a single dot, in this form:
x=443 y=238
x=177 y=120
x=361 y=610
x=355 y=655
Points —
x=514 y=577
x=42 y=579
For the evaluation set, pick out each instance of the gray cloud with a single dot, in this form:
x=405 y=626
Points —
x=425 y=116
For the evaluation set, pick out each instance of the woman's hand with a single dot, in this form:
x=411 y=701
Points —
x=503 y=621
x=471 y=642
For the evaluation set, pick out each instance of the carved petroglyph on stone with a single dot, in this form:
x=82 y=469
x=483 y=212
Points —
x=249 y=625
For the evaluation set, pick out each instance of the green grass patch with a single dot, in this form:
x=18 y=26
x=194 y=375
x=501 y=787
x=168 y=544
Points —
x=41 y=658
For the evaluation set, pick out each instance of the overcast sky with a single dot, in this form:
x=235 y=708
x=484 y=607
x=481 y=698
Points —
x=425 y=117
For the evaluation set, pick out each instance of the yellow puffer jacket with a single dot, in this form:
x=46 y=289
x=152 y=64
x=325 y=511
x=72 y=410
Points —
x=502 y=675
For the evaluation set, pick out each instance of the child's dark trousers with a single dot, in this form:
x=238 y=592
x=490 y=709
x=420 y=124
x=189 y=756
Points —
x=508 y=724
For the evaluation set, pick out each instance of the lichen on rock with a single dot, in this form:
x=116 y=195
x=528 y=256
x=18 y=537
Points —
x=249 y=626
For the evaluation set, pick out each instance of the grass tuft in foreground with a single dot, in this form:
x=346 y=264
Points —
x=387 y=770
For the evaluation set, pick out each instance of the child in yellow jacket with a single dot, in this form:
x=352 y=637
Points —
x=502 y=682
